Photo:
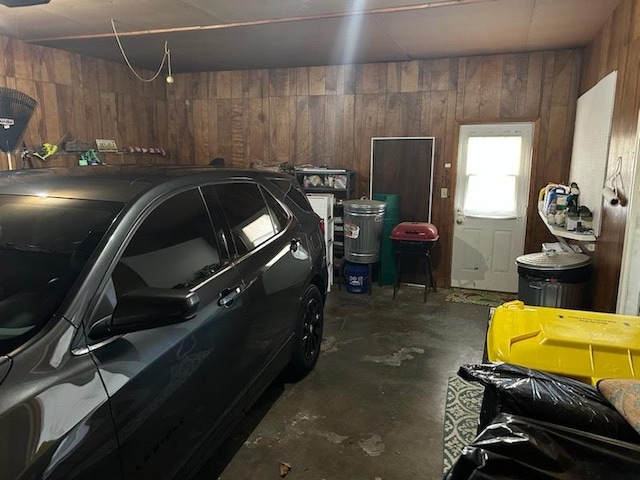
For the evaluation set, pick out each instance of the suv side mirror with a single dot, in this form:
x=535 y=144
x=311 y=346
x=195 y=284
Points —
x=147 y=308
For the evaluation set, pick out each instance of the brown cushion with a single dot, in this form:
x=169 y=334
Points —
x=624 y=395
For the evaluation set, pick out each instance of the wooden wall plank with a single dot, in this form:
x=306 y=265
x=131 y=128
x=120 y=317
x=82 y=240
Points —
x=237 y=85
x=201 y=139
x=330 y=132
x=212 y=128
x=331 y=80
x=302 y=81
x=392 y=113
x=302 y=135
x=21 y=55
x=199 y=86
x=280 y=81
x=279 y=108
x=238 y=128
x=223 y=84
x=534 y=85
x=347 y=140
x=491 y=86
x=224 y=140
x=441 y=74
x=212 y=84
x=472 y=88
x=6 y=58
x=316 y=130
x=425 y=75
x=410 y=106
x=317 y=80
x=368 y=129
x=615 y=48
x=349 y=79
x=374 y=78
x=410 y=77
x=514 y=86
x=256 y=151
x=394 y=77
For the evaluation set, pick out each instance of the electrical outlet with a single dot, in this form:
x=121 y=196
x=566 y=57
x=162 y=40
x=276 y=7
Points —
x=444 y=193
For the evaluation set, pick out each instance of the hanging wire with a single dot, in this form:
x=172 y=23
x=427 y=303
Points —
x=611 y=179
x=167 y=54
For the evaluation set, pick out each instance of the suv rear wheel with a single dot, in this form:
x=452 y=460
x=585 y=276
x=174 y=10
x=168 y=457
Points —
x=308 y=334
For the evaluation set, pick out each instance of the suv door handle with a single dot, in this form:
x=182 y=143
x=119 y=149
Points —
x=228 y=295
x=295 y=244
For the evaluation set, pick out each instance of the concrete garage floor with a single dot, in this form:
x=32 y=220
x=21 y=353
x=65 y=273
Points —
x=373 y=408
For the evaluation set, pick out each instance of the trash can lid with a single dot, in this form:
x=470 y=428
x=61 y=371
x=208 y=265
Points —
x=363 y=205
x=553 y=260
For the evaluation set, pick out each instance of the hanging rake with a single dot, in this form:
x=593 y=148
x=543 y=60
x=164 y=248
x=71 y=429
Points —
x=16 y=109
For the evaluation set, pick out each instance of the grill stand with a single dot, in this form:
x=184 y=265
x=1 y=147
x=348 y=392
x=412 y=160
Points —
x=428 y=281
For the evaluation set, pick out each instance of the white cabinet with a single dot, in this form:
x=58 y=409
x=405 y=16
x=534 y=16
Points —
x=322 y=204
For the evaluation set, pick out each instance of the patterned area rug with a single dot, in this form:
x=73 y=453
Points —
x=462 y=409
x=479 y=297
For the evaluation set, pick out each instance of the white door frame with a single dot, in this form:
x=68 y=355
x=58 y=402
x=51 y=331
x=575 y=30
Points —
x=506 y=276
x=629 y=283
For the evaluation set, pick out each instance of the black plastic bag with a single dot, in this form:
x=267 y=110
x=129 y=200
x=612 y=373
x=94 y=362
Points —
x=519 y=448
x=548 y=398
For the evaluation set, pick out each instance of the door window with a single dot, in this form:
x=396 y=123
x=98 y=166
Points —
x=175 y=247
x=493 y=164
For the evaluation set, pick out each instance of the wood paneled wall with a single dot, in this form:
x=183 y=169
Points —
x=88 y=97
x=327 y=116
x=616 y=47
x=322 y=115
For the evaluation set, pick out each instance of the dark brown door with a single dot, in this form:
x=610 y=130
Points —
x=405 y=166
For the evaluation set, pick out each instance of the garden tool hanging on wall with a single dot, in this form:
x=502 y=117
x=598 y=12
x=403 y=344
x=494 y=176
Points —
x=16 y=109
x=90 y=157
x=45 y=150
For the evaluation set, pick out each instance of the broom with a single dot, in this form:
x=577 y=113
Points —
x=16 y=109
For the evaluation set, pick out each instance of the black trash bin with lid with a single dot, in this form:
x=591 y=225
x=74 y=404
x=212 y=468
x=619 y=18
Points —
x=554 y=279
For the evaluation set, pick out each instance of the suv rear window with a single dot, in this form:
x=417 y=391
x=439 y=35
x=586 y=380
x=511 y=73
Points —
x=293 y=191
x=248 y=215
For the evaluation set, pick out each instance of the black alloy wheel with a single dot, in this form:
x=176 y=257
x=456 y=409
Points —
x=312 y=328
x=308 y=335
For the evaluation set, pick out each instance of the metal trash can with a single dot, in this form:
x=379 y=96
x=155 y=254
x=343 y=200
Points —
x=362 y=230
x=554 y=279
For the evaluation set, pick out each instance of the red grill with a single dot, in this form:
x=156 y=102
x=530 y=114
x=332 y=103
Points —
x=414 y=237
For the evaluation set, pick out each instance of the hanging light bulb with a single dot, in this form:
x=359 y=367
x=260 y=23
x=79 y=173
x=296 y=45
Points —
x=169 y=76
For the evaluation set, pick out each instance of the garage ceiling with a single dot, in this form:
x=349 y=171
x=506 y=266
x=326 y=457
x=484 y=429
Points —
x=205 y=35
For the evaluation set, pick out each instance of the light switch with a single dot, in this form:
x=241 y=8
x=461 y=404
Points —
x=444 y=192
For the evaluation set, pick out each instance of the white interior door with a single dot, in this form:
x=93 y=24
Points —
x=492 y=188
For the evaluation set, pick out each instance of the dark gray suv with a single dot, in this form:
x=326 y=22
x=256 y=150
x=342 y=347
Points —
x=143 y=310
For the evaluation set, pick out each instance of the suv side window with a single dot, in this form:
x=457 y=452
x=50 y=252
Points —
x=174 y=247
x=247 y=214
x=279 y=215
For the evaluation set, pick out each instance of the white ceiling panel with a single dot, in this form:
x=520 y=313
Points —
x=249 y=10
x=241 y=34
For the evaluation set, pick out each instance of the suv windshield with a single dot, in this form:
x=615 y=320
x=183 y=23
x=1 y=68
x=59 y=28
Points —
x=44 y=242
